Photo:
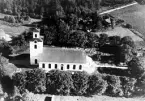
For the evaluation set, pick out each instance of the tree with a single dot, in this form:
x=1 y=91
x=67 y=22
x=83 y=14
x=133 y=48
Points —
x=72 y=20
x=50 y=36
x=19 y=40
x=12 y=19
x=55 y=9
x=114 y=40
x=126 y=53
x=59 y=82
x=20 y=81
x=98 y=22
x=137 y=66
x=128 y=85
x=92 y=40
x=128 y=40
x=36 y=80
x=6 y=18
x=103 y=39
x=80 y=80
x=63 y=33
x=96 y=85
x=77 y=39
x=5 y=48
x=114 y=85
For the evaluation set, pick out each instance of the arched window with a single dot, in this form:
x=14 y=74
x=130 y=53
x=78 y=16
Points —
x=43 y=65
x=68 y=66
x=36 y=61
x=35 y=41
x=35 y=46
x=74 y=66
x=49 y=65
x=55 y=66
x=35 y=35
x=61 y=66
x=80 y=67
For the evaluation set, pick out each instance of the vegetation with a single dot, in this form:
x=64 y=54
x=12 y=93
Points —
x=39 y=8
x=96 y=85
x=58 y=82
x=5 y=48
x=64 y=83
x=71 y=24
x=136 y=67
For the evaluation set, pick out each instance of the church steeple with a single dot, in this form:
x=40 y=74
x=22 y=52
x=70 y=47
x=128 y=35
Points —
x=36 y=33
x=36 y=44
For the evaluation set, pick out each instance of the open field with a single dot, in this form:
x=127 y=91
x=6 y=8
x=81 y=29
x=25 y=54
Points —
x=13 y=30
x=134 y=15
x=119 y=31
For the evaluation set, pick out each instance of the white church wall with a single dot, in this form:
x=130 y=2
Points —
x=36 y=35
x=34 y=51
x=59 y=65
x=33 y=60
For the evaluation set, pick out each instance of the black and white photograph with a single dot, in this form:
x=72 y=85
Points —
x=72 y=50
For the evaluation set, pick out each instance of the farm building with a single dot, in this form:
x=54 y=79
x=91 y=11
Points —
x=4 y=36
x=65 y=59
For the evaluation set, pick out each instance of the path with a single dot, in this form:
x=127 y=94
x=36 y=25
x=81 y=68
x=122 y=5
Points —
x=118 y=8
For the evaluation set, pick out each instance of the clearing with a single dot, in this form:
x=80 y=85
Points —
x=134 y=15
x=119 y=31
x=11 y=29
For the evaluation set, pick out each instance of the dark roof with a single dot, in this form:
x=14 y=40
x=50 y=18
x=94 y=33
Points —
x=62 y=55
x=37 y=39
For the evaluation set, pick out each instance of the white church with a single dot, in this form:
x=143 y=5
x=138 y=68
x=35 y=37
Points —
x=65 y=59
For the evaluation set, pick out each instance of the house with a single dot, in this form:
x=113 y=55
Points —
x=66 y=59
x=4 y=36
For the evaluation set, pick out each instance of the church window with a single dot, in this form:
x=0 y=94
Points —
x=35 y=46
x=61 y=66
x=43 y=65
x=67 y=66
x=36 y=62
x=35 y=35
x=80 y=67
x=55 y=66
x=49 y=65
x=74 y=66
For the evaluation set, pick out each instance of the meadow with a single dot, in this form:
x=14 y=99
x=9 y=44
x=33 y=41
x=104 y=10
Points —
x=133 y=15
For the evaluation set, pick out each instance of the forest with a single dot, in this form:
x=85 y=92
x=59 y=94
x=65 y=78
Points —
x=39 y=8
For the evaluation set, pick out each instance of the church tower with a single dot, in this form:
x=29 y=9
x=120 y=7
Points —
x=36 y=46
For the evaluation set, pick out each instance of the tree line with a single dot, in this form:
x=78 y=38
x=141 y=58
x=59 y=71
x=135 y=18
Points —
x=38 y=8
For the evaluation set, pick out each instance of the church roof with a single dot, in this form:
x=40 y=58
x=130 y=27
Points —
x=37 y=39
x=62 y=55
x=34 y=30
